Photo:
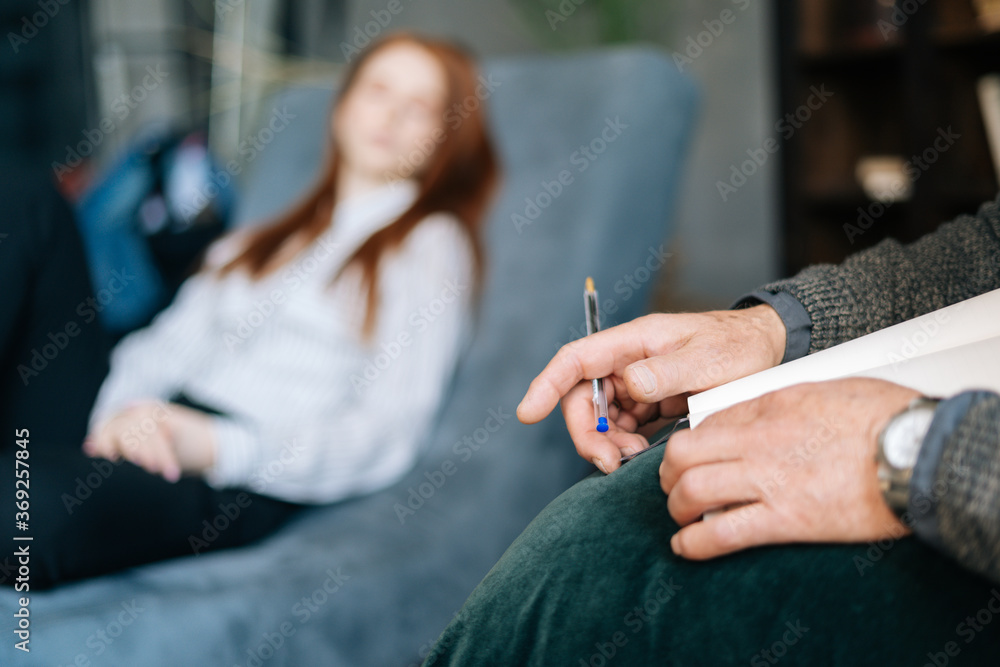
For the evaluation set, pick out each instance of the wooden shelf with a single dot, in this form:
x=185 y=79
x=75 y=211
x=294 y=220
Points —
x=892 y=97
x=851 y=55
x=965 y=35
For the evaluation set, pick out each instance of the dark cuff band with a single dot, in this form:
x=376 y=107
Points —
x=927 y=486
x=798 y=325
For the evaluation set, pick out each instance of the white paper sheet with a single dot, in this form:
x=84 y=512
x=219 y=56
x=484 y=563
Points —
x=939 y=354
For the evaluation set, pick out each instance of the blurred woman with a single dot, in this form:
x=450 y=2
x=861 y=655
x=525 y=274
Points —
x=306 y=359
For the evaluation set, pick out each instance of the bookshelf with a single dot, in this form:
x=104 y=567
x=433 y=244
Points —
x=903 y=78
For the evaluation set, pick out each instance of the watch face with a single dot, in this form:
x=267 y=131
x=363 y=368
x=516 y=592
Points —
x=904 y=437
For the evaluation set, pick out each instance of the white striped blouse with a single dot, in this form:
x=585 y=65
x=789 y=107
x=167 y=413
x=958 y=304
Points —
x=311 y=414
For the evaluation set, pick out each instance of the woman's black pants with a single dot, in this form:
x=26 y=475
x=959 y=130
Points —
x=84 y=517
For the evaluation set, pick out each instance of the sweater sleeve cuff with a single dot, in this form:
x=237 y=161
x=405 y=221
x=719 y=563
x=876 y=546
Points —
x=927 y=486
x=235 y=454
x=798 y=325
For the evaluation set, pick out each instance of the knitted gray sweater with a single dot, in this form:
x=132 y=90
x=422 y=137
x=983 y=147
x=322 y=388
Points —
x=890 y=283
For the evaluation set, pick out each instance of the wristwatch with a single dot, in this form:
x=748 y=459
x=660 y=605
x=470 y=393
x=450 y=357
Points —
x=898 y=447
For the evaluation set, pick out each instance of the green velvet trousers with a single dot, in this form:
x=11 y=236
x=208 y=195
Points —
x=592 y=582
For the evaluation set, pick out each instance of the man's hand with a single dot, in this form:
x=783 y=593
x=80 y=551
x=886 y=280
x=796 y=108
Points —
x=652 y=363
x=799 y=462
x=162 y=438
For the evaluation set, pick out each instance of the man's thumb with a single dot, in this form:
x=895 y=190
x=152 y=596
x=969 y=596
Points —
x=657 y=378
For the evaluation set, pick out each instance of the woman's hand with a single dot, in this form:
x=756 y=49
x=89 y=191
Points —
x=652 y=364
x=795 y=465
x=163 y=438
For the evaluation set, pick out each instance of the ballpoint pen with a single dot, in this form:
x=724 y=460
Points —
x=600 y=398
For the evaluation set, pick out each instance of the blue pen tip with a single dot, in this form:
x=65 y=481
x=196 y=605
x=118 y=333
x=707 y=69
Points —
x=602 y=424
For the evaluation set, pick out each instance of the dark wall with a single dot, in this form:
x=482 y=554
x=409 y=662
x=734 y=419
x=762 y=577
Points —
x=43 y=82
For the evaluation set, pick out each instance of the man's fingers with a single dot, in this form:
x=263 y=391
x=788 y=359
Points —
x=687 y=449
x=709 y=487
x=733 y=530
x=638 y=415
x=745 y=413
x=687 y=369
x=542 y=396
x=605 y=450
x=601 y=449
x=593 y=356
x=674 y=406
x=576 y=361
x=627 y=443
x=578 y=412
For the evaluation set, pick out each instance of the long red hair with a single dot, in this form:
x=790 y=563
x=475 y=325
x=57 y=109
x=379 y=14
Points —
x=458 y=179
